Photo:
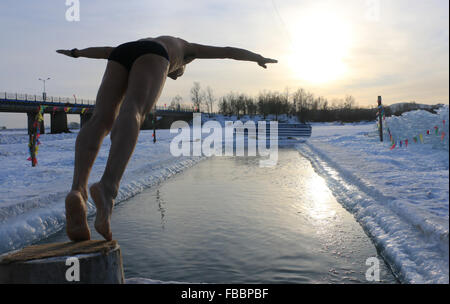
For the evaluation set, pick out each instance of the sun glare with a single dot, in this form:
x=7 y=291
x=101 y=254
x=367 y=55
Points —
x=320 y=45
x=320 y=199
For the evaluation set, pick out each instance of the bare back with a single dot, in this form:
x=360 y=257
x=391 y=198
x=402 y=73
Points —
x=177 y=49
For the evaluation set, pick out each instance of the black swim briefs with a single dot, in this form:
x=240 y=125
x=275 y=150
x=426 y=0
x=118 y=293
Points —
x=127 y=53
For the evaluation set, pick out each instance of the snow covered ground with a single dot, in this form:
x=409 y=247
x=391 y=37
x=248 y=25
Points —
x=399 y=196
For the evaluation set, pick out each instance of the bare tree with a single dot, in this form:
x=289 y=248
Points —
x=196 y=96
x=210 y=99
x=299 y=99
x=175 y=104
x=264 y=104
x=349 y=102
x=250 y=106
x=224 y=106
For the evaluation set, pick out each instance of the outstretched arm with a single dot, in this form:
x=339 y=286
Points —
x=92 y=52
x=204 y=51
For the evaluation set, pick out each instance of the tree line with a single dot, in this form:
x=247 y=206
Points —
x=300 y=103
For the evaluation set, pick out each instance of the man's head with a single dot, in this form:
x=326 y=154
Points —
x=177 y=73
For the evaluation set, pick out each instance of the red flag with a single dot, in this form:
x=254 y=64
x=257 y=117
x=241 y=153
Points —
x=442 y=136
x=428 y=132
x=393 y=147
x=406 y=143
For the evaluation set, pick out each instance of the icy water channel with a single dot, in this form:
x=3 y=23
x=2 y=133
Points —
x=226 y=220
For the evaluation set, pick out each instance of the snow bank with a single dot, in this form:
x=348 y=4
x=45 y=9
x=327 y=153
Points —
x=400 y=197
x=411 y=124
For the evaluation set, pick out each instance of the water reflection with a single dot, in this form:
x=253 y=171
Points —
x=161 y=208
x=320 y=207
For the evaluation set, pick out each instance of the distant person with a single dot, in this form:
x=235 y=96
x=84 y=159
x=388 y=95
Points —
x=133 y=81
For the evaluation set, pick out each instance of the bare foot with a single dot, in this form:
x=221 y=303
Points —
x=76 y=217
x=104 y=204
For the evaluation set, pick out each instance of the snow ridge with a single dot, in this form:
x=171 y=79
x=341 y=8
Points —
x=416 y=250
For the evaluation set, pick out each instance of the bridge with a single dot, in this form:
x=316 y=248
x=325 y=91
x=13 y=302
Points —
x=59 y=107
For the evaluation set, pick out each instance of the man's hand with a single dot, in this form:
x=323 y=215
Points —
x=262 y=61
x=69 y=53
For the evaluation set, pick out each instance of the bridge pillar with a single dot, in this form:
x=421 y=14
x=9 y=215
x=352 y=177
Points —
x=84 y=118
x=58 y=123
x=31 y=118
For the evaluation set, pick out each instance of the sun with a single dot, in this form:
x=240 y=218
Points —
x=320 y=44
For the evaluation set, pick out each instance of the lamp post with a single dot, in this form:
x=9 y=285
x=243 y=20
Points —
x=44 y=95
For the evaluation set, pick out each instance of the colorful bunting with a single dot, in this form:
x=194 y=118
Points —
x=405 y=142
x=34 y=143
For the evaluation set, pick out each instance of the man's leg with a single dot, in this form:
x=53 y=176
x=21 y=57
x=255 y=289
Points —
x=87 y=145
x=145 y=84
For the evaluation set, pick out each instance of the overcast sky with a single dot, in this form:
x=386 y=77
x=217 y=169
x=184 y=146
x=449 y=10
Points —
x=365 y=48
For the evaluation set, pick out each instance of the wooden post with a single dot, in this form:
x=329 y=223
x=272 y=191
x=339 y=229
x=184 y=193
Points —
x=32 y=133
x=32 y=147
x=154 y=125
x=88 y=262
x=380 y=118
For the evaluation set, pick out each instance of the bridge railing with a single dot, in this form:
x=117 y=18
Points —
x=39 y=98
x=21 y=97
x=175 y=109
